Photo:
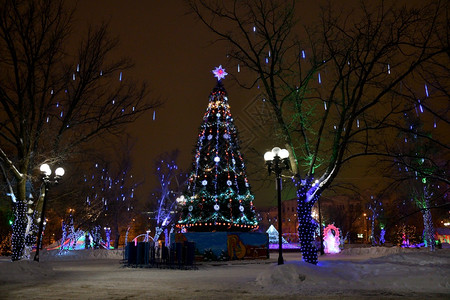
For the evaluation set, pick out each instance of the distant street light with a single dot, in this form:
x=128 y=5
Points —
x=47 y=181
x=277 y=161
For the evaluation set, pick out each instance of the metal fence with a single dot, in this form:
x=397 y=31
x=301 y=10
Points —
x=146 y=255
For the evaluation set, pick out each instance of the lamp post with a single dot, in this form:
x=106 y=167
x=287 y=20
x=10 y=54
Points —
x=47 y=181
x=277 y=161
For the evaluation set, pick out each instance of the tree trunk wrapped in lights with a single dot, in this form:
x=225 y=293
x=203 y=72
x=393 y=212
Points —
x=429 y=231
x=218 y=195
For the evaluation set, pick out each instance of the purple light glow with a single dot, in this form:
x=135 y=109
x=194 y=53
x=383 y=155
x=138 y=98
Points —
x=219 y=72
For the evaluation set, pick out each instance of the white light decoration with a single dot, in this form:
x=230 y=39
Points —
x=204 y=182
x=181 y=200
x=241 y=208
x=216 y=207
x=216 y=159
x=229 y=183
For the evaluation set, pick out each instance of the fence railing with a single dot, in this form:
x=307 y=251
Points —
x=145 y=254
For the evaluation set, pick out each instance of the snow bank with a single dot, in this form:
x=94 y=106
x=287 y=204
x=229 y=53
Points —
x=420 y=258
x=377 y=272
x=24 y=270
x=392 y=269
x=88 y=254
x=29 y=270
x=380 y=251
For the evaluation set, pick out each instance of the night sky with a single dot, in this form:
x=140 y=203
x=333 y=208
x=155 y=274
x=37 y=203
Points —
x=174 y=54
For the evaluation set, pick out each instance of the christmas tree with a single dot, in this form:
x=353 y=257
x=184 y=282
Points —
x=218 y=196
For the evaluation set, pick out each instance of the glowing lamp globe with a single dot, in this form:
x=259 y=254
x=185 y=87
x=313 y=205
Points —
x=46 y=169
x=268 y=156
x=59 y=172
x=283 y=153
x=276 y=151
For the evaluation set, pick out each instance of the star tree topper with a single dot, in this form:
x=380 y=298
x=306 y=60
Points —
x=219 y=72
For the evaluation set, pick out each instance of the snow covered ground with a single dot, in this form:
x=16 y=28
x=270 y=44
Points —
x=356 y=273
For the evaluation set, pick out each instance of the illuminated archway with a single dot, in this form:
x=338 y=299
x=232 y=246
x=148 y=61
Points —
x=330 y=239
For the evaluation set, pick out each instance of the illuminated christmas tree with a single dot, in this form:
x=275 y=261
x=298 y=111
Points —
x=218 y=195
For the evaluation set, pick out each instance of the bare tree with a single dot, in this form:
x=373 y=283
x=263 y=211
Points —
x=170 y=181
x=108 y=197
x=334 y=96
x=54 y=100
x=422 y=169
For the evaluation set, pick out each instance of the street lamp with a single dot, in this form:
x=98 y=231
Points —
x=277 y=160
x=47 y=181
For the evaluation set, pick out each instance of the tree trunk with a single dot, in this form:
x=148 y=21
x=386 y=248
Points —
x=306 y=227
x=20 y=222
x=166 y=237
x=372 y=233
x=428 y=226
x=19 y=227
x=116 y=236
